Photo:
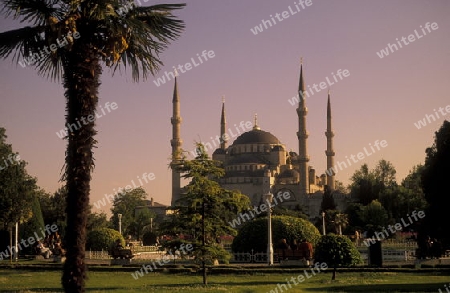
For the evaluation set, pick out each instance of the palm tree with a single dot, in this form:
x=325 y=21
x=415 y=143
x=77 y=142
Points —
x=341 y=220
x=72 y=39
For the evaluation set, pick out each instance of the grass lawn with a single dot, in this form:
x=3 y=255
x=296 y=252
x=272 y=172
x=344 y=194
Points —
x=21 y=280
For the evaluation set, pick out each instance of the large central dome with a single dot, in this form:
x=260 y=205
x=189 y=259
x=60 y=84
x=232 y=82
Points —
x=256 y=136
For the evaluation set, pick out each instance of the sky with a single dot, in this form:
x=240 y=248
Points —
x=381 y=97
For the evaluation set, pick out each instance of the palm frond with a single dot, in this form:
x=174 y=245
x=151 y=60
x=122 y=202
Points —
x=51 y=66
x=163 y=25
x=36 y=12
x=23 y=42
x=148 y=31
x=142 y=54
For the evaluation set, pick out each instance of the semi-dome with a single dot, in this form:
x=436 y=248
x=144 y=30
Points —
x=289 y=173
x=256 y=136
x=219 y=151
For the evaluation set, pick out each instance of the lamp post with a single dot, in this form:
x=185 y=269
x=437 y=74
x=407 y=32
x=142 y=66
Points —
x=269 y=198
x=120 y=223
x=323 y=223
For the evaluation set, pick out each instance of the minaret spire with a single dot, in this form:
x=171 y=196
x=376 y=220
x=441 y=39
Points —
x=223 y=127
x=255 y=123
x=329 y=152
x=176 y=142
x=302 y=135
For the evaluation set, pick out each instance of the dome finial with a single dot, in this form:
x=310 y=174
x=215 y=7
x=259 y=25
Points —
x=255 y=124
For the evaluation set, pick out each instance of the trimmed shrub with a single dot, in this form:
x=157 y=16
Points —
x=253 y=234
x=337 y=251
x=103 y=239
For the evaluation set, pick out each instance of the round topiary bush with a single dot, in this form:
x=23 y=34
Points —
x=103 y=239
x=336 y=251
x=253 y=234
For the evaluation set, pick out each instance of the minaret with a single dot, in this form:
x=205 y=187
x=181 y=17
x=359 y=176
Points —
x=329 y=152
x=302 y=135
x=255 y=122
x=176 y=142
x=223 y=127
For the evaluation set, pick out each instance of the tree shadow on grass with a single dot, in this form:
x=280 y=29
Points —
x=427 y=287
x=212 y=284
x=56 y=290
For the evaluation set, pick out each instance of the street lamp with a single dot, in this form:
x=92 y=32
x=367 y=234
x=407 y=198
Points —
x=269 y=198
x=323 y=223
x=120 y=223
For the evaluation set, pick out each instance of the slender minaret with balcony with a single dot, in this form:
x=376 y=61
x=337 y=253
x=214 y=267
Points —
x=176 y=142
x=223 y=127
x=302 y=135
x=329 y=152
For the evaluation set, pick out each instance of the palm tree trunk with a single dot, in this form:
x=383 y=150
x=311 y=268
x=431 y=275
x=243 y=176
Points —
x=81 y=82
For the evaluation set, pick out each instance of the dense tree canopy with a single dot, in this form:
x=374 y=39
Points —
x=375 y=216
x=381 y=200
x=125 y=203
x=435 y=175
x=53 y=208
x=368 y=185
x=328 y=202
x=17 y=188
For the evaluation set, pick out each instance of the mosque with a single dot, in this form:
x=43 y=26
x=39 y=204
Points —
x=257 y=162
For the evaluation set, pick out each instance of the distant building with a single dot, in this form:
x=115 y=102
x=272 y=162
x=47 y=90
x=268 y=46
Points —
x=257 y=163
x=159 y=209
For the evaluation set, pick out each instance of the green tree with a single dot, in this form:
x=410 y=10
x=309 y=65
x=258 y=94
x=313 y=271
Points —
x=17 y=188
x=339 y=187
x=328 y=202
x=53 y=208
x=81 y=35
x=435 y=174
x=278 y=210
x=97 y=221
x=378 y=184
x=34 y=225
x=205 y=209
x=125 y=203
x=375 y=216
x=363 y=185
x=142 y=219
x=384 y=174
x=336 y=251
x=355 y=212
x=412 y=196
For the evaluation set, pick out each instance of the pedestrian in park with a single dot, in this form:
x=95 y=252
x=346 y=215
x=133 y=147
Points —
x=284 y=247
x=357 y=237
x=307 y=251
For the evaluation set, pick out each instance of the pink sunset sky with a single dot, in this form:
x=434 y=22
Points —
x=380 y=98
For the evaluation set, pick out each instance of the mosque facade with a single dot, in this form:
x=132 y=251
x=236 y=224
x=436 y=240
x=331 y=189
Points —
x=257 y=162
